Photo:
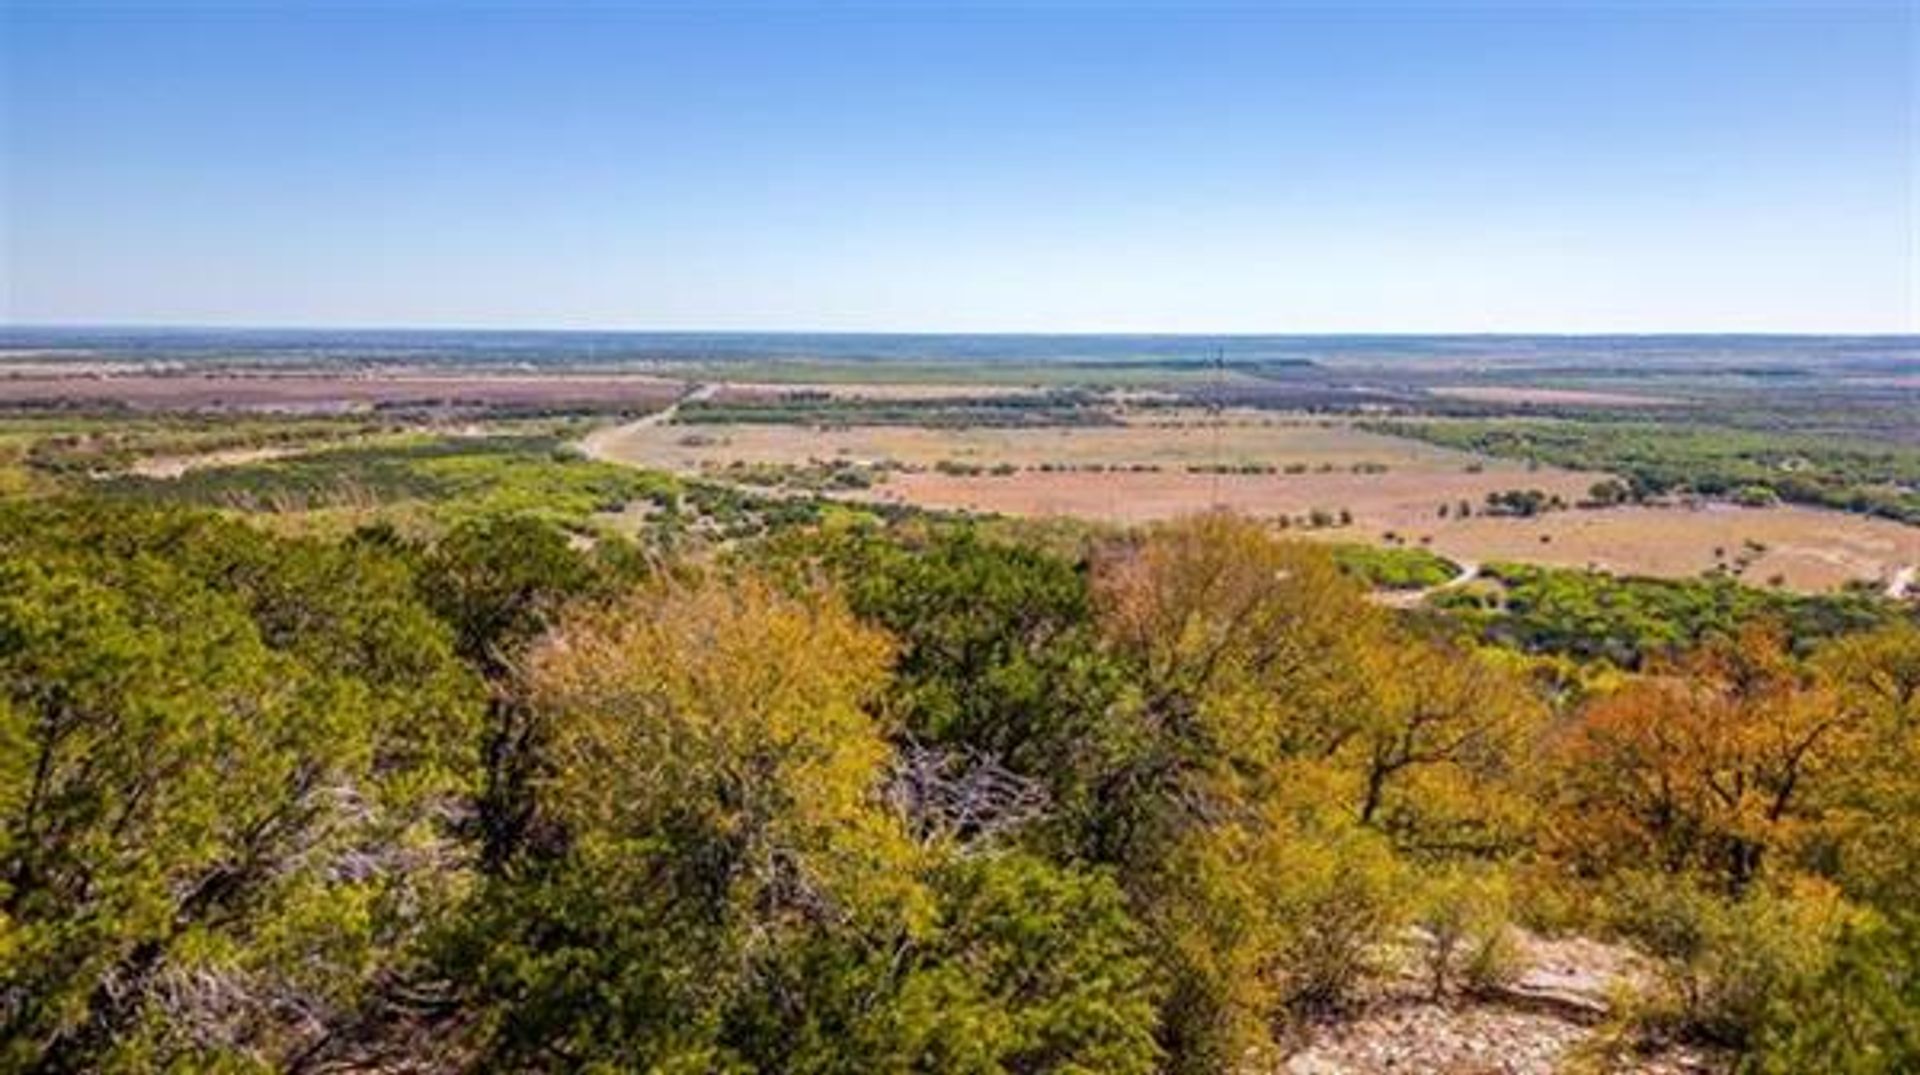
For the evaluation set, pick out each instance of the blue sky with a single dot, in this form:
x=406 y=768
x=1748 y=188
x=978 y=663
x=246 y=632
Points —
x=1414 y=167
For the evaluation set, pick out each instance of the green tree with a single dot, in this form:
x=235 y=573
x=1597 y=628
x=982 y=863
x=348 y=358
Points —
x=229 y=760
x=498 y=583
x=1861 y=1016
x=732 y=890
x=998 y=657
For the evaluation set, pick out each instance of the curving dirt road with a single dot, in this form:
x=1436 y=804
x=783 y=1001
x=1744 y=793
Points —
x=1469 y=570
x=594 y=444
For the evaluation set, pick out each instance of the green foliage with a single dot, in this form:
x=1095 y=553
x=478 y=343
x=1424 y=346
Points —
x=88 y=443
x=1263 y=924
x=459 y=477
x=1629 y=620
x=1725 y=964
x=729 y=892
x=873 y=794
x=1525 y=503
x=998 y=656
x=1034 y=967
x=498 y=581
x=1395 y=569
x=1464 y=912
x=227 y=757
x=1012 y=410
x=814 y=477
x=1860 y=1016
x=1870 y=477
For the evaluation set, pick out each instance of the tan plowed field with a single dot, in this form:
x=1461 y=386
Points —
x=1338 y=469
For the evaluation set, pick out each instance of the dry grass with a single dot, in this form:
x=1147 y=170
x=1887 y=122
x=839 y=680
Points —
x=1399 y=500
x=1806 y=549
x=767 y=391
x=331 y=391
x=1570 y=397
x=1173 y=439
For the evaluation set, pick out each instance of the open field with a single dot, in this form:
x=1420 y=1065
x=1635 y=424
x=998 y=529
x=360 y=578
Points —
x=1130 y=451
x=1569 y=397
x=339 y=391
x=1404 y=502
x=1163 y=464
x=1806 y=549
x=1171 y=439
x=772 y=391
x=985 y=371
x=173 y=466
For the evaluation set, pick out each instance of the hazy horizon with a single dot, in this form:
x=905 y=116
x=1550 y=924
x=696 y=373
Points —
x=1426 y=168
x=185 y=328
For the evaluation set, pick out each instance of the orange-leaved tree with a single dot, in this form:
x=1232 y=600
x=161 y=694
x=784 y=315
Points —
x=1715 y=763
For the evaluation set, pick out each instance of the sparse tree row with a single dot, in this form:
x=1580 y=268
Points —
x=912 y=797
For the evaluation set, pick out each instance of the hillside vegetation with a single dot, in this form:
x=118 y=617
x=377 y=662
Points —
x=1873 y=477
x=855 y=796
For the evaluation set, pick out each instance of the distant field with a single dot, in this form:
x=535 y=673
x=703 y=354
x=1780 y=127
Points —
x=1569 y=397
x=1808 y=549
x=1379 y=469
x=771 y=391
x=1168 y=438
x=1170 y=463
x=792 y=373
x=1406 y=502
x=1805 y=549
x=339 y=391
x=1161 y=464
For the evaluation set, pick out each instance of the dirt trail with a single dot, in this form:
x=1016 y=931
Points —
x=1469 y=570
x=598 y=443
x=173 y=466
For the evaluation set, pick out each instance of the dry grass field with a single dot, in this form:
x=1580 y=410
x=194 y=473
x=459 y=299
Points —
x=770 y=391
x=1566 y=397
x=1170 y=439
x=1402 y=501
x=1388 y=485
x=1806 y=549
x=339 y=391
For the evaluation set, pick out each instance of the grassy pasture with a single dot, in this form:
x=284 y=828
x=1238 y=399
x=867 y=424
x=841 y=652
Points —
x=1364 y=485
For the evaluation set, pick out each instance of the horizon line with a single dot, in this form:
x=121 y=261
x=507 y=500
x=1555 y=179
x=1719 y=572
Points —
x=1510 y=333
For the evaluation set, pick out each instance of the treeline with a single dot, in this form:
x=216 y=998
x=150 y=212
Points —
x=1632 y=621
x=531 y=473
x=1660 y=459
x=425 y=483
x=882 y=798
x=94 y=439
x=1059 y=408
x=1393 y=568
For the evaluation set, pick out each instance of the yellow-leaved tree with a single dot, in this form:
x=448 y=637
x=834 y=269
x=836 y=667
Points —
x=1256 y=660
x=1440 y=758
x=725 y=883
x=1874 y=801
x=732 y=717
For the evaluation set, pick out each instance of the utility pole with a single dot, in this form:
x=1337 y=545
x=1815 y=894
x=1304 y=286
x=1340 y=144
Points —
x=1215 y=412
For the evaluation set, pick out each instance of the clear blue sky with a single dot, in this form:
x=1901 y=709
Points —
x=1137 y=167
